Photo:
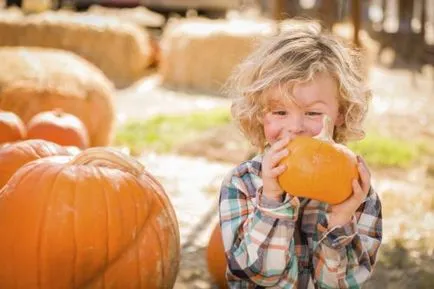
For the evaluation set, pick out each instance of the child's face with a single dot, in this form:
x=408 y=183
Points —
x=302 y=115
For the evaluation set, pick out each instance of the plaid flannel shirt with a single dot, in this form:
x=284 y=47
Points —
x=285 y=244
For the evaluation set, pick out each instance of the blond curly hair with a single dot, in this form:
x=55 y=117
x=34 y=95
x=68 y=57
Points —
x=296 y=55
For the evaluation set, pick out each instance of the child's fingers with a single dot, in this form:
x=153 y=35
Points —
x=358 y=193
x=275 y=158
x=365 y=176
x=361 y=160
x=280 y=144
x=277 y=171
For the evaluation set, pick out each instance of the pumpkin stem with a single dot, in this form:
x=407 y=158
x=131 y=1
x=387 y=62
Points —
x=327 y=130
x=108 y=157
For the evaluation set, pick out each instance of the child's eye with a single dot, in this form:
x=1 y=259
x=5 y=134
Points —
x=313 y=113
x=280 y=112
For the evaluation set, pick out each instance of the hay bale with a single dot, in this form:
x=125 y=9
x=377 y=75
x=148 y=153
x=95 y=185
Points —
x=122 y=50
x=11 y=13
x=35 y=6
x=293 y=23
x=35 y=79
x=199 y=54
x=139 y=15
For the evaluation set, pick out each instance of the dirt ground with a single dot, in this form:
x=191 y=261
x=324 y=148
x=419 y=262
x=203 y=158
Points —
x=399 y=108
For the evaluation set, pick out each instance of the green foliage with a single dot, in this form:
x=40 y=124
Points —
x=163 y=132
x=386 y=152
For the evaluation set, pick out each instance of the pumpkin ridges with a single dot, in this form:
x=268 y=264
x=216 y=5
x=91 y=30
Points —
x=112 y=259
x=7 y=251
x=139 y=220
x=74 y=236
x=83 y=278
x=23 y=254
x=133 y=245
x=99 y=273
x=138 y=192
x=103 y=267
x=43 y=244
x=163 y=198
x=129 y=246
x=165 y=202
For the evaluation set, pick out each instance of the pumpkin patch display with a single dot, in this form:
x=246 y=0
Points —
x=94 y=220
x=318 y=168
x=59 y=127
x=15 y=155
x=35 y=79
x=215 y=256
x=12 y=127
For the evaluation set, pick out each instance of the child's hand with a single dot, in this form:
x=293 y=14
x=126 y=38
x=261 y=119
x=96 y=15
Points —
x=271 y=168
x=342 y=213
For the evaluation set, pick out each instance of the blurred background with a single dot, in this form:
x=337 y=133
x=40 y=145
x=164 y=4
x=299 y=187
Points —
x=156 y=69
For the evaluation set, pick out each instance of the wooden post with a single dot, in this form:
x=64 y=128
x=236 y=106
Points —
x=356 y=19
x=279 y=9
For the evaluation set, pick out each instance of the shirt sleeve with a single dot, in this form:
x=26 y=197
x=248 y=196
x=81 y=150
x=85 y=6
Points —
x=344 y=256
x=256 y=233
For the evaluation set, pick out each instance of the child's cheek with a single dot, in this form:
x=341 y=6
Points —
x=271 y=134
x=272 y=130
x=316 y=129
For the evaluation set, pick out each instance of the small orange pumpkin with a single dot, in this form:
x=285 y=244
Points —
x=215 y=255
x=15 y=155
x=59 y=127
x=94 y=220
x=12 y=127
x=318 y=168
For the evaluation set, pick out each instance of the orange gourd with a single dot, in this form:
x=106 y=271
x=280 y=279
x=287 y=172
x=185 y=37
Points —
x=318 y=168
x=94 y=220
x=59 y=127
x=12 y=127
x=215 y=255
x=15 y=155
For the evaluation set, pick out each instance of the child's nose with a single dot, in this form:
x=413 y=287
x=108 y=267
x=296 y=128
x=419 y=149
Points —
x=295 y=125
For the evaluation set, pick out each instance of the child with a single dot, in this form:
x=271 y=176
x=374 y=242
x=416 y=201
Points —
x=273 y=239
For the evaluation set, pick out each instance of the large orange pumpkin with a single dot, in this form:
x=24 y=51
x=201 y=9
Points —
x=12 y=127
x=59 y=127
x=319 y=169
x=95 y=220
x=15 y=155
x=215 y=255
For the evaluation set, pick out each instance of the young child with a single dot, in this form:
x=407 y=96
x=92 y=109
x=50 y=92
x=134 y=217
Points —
x=273 y=239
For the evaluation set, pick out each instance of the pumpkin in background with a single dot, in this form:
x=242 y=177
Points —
x=318 y=168
x=215 y=256
x=59 y=127
x=15 y=155
x=94 y=220
x=12 y=127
